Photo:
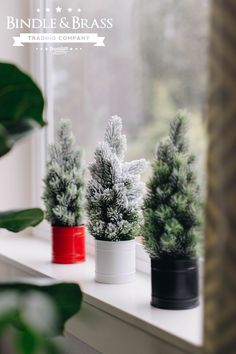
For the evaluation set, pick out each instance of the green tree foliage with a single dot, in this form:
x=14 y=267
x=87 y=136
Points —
x=64 y=184
x=176 y=27
x=170 y=78
x=114 y=194
x=172 y=205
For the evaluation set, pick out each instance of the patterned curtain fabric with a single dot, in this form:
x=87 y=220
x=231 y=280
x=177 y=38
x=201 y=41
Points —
x=220 y=269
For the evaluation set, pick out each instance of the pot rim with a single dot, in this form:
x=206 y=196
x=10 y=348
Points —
x=67 y=227
x=114 y=242
x=174 y=265
x=179 y=260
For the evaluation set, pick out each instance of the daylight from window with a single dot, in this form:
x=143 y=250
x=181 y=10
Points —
x=154 y=63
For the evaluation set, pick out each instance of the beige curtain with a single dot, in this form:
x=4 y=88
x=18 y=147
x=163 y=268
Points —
x=220 y=270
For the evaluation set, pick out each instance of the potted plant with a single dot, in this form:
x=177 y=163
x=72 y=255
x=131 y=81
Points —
x=172 y=222
x=63 y=197
x=114 y=198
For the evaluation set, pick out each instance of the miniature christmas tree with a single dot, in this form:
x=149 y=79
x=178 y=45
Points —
x=64 y=185
x=172 y=205
x=114 y=194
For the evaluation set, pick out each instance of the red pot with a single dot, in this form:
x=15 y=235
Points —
x=68 y=244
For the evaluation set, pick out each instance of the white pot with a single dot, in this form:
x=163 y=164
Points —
x=115 y=261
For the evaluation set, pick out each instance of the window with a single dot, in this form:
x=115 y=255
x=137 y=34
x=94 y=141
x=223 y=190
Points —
x=154 y=63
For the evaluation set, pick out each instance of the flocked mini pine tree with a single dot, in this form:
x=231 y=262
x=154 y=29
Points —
x=64 y=185
x=114 y=194
x=172 y=205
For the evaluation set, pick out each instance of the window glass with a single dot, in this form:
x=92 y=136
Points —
x=154 y=63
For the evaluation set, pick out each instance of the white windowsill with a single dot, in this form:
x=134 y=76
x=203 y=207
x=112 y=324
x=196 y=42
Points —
x=129 y=303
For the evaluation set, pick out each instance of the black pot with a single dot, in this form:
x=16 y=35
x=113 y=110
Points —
x=175 y=284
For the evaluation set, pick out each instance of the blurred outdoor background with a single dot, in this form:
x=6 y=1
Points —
x=154 y=63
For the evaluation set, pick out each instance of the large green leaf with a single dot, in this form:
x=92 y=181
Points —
x=27 y=342
x=20 y=97
x=21 y=106
x=67 y=298
x=5 y=141
x=18 y=220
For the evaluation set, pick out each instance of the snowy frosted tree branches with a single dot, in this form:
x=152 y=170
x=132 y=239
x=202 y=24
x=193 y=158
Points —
x=114 y=193
x=64 y=185
x=172 y=204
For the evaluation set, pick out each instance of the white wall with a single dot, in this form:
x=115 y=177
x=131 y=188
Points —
x=15 y=171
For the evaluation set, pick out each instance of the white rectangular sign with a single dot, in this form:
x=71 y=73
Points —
x=59 y=38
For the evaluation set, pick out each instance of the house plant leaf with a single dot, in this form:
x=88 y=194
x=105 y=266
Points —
x=21 y=106
x=18 y=220
x=66 y=298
